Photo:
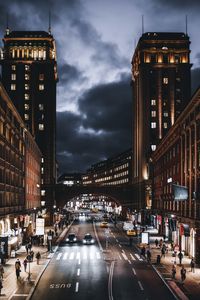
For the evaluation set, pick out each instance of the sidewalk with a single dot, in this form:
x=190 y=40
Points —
x=23 y=288
x=190 y=289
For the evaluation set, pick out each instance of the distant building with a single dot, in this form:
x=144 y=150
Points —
x=176 y=183
x=29 y=74
x=70 y=179
x=20 y=160
x=113 y=171
x=161 y=87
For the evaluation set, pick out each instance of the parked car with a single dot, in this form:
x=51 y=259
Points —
x=71 y=238
x=104 y=224
x=88 y=239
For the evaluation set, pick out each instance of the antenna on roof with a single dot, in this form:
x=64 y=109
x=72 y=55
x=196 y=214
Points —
x=186 y=25
x=142 y=24
x=49 y=22
x=7 y=27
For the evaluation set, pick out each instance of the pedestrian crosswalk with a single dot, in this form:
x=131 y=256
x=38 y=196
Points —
x=95 y=255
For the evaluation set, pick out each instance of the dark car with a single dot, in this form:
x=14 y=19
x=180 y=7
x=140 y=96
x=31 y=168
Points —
x=88 y=239
x=71 y=238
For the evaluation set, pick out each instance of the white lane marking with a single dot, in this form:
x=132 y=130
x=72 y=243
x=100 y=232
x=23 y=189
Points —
x=120 y=245
x=120 y=257
x=78 y=272
x=107 y=268
x=123 y=250
x=71 y=256
x=141 y=287
x=124 y=256
x=77 y=286
x=133 y=258
x=113 y=235
x=78 y=255
x=134 y=272
x=98 y=255
x=97 y=238
x=65 y=255
x=129 y=262
x=79 y=262
x=117 y=241
x=91 y=255
x=138 y=257
x=110 y=293
x=58 y=256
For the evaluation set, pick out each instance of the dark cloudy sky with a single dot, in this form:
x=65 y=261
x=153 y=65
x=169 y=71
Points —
x=95 y=42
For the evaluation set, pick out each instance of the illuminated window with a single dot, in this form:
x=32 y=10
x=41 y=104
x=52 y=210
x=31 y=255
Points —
x=41 y=126
x=42 y=170
x=27 y=67
x=153 y=102
x=26 y=106
x=41 y=77
x=165 y=124
x=26 y=86
x=41 y=106
x=165 y=80
x=178 y=100
x=42 y=192
x=165 y=114
x=13 y=87
x=13 y=76
x=13 y=67
x=26 y=96
x=26 y=76
x=42 y=159
x=178 y=79
x=153 y=113
x=26 y=116
x=153 y=124
x=41 y=87
x=153 y=147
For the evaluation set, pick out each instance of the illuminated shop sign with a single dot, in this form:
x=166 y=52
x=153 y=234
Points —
x=180 y=192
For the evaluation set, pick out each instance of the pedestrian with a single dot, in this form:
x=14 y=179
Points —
x=26 y=248
x=31 y=255
x=25 y=264
x=1 y=271
x=156 y=243
x=160 y=243
x=18 y=268
x=174 y=271
x=149 y=255
x=1 y=285
x=183 y=273
x=180 y=256
x=29 y=246
x=172 y=245
x=38 y=256
x=192 y=265
x=163 y=251
x=143 y=252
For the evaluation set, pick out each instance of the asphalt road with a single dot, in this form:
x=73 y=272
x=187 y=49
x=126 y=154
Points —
x=109 y=269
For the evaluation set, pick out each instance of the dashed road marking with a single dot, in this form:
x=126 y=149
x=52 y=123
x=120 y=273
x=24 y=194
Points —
x=141 y=287
x=133 y=258
x=78 y=272
x=77 y=286
x=134 y=272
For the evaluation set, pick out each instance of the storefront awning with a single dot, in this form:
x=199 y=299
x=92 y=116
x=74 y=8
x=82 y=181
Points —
x=184 y=229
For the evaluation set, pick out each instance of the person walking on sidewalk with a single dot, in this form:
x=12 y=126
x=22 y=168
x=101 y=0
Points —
x=183 y=273
x=156 y=243
x=1 y=271
x=25 y=262
x=174 y=271
x=1 y=286
x=192 y=265
x=38 y=256
x=180 y=256
x=18 y=268
x=148 y=255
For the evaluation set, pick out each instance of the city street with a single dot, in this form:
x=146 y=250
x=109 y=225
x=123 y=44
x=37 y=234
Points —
x=106 y=270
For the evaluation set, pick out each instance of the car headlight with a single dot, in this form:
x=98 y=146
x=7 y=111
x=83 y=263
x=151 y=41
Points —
x=67 y=240
x=74 y=239
x=84 y=241
x=92 y=240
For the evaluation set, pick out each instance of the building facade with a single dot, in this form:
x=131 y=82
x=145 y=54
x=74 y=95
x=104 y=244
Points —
x=20 y=160
x=176 y=185
x=161 y=90
x=29 y=74
x=113 y=171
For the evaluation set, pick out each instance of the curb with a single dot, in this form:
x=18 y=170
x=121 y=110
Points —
x=47 y=263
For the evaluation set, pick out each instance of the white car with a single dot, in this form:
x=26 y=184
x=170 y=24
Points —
x=88 y=239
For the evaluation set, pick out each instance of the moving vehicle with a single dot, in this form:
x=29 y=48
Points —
x=71 y=238
x=131 y=232
x=88 y=239
x=104 y=224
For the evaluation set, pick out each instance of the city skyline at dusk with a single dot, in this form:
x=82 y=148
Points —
x=94 y=52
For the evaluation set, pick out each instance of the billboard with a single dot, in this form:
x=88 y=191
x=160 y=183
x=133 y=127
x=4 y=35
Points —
x=179 y=192
x=39 y=226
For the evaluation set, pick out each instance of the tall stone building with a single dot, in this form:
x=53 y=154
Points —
x=29 y=74
x=161 y=88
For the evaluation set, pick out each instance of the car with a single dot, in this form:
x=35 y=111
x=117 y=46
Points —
x=88 y=239
x=71 y=238
x=104 y=224
x=131 y=232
